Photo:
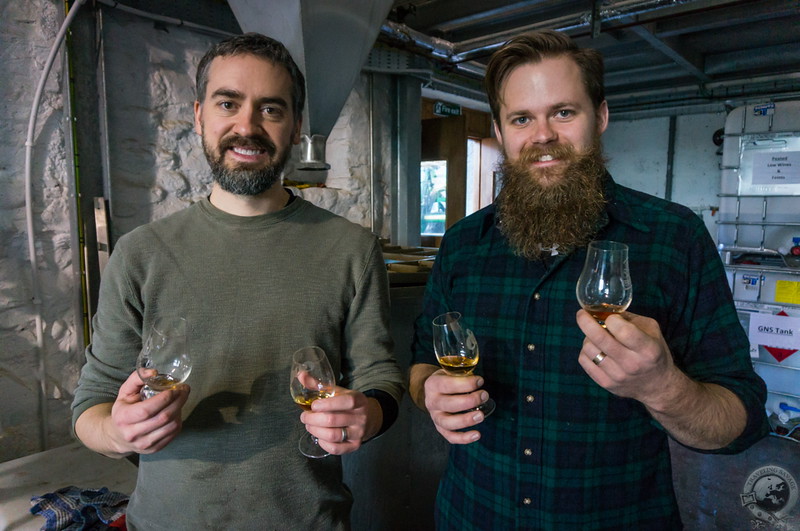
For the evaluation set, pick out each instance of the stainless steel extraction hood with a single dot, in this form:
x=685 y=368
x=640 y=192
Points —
x=330 y=41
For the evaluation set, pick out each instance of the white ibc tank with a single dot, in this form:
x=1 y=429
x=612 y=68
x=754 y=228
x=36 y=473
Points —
x=758 y=226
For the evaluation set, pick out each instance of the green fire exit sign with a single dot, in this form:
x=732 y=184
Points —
x=442 y=108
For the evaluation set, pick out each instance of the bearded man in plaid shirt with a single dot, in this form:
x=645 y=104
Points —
x=579 y=437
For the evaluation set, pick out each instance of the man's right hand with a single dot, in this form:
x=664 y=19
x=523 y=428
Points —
x=130 y=424
x=448 y=399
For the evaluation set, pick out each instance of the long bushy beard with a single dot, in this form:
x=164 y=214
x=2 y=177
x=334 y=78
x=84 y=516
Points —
x=540 y=209
x=245 y=179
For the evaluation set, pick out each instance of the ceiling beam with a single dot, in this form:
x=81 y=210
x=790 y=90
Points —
x=693 y=66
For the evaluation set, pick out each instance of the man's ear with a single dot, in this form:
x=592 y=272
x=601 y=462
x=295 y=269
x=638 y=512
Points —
x=298 y=127
x=497 y=132
x=198 y=123
x=602 y=117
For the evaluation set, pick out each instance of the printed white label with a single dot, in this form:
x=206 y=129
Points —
x=776 y=167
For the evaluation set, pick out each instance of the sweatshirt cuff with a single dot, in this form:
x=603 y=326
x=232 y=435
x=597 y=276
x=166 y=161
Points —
x=389 y=407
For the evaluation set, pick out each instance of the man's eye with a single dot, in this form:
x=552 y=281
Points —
x=520 y=120
x=564 y=113
x=270 y=110
x=226 y=105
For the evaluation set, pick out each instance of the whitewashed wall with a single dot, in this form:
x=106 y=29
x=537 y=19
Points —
x=27 y=31
x=156 y=161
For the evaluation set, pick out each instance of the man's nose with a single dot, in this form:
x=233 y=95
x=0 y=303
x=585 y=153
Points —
x=248 y=121
x=542 y=132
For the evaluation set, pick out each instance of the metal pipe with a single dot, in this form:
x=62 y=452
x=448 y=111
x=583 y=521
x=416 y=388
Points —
x=371 y=95
x=102 y=104
x=670 y=159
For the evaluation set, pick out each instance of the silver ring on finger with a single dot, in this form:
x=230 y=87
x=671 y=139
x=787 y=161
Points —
x=597 y=360
x=344 y=434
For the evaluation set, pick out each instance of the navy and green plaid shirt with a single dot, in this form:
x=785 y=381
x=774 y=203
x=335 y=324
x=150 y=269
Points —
x=560 y=452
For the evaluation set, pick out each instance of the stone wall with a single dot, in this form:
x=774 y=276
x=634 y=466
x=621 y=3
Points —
x=27 y=32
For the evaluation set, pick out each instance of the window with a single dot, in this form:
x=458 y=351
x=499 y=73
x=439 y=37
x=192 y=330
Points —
x=433 y=197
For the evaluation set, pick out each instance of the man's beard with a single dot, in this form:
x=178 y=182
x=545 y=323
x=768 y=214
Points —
x=563 y=212
x=245 y=179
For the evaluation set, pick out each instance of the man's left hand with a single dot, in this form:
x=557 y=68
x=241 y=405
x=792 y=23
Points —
x=635 y=361
x=344 y=421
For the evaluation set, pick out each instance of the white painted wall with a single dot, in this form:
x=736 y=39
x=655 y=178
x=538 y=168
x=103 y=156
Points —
x=637 y=152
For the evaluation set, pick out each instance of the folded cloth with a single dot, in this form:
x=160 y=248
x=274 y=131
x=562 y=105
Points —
x=74 y=509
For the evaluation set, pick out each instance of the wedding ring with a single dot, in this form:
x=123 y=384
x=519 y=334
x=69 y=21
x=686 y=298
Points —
x=344 y=435
x=599 y=358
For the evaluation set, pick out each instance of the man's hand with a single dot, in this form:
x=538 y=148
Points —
x=637 y=362
x=448 y=400
x=131 y=425
x=343 y=422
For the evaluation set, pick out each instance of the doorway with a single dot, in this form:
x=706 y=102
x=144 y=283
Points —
x=457 y=174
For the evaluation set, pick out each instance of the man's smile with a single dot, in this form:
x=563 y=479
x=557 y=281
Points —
x=247 y=152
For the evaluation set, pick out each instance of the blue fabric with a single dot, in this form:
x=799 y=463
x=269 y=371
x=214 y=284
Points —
x=75 y=509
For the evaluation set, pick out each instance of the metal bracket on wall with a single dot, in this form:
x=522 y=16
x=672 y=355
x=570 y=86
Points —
x=101 y=228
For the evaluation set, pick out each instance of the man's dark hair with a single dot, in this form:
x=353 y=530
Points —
x=532 y=48
x=260 y=46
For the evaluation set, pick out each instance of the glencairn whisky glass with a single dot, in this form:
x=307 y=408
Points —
x=164 y=360
x=457 y=350
x=604 y=287
x=311 y=378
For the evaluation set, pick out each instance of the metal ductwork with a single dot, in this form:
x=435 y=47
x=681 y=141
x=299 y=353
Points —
x=330 y=41
x=459 y=54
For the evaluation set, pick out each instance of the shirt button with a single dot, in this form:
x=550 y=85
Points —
x=529 y=398
x=531 y=347
x=526 y=501
x=527 y=451
x=537 y=296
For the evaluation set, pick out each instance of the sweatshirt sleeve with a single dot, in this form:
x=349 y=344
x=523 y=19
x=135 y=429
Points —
x=116 y=338
x=368 y=362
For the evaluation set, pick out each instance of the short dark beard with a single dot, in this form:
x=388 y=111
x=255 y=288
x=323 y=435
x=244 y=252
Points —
x=245 y=180
x=564 y=212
